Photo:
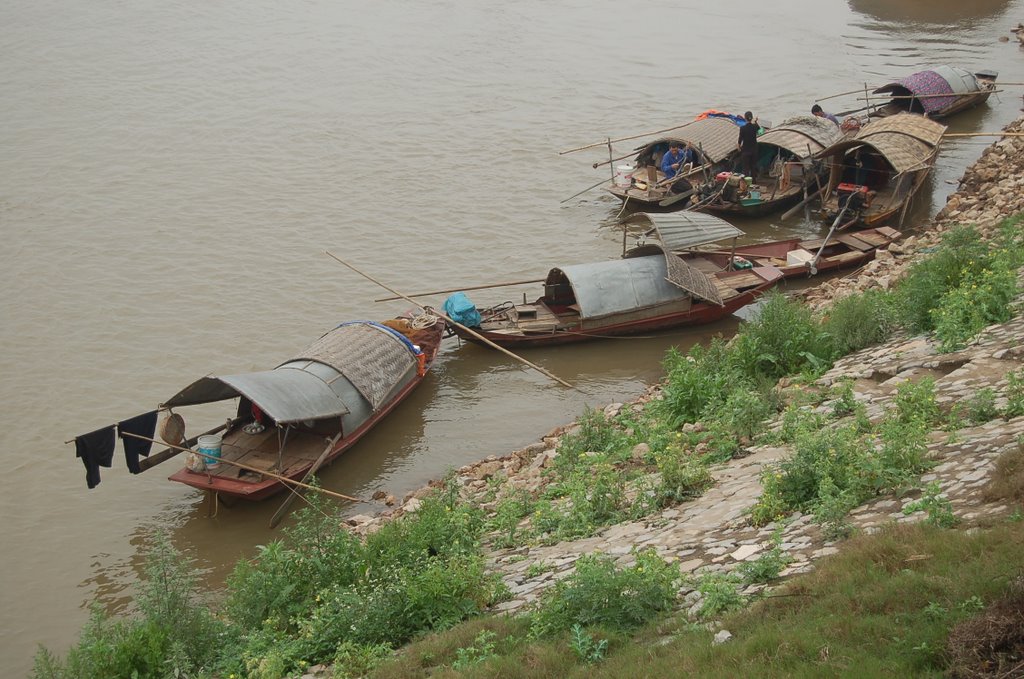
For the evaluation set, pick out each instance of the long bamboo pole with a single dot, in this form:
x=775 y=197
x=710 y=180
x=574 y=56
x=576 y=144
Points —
x=272 y=475
x=883 y=97
x=841 y=94
x=469 y=287
x=615 y=141
x=449 y=320
x=983 y=134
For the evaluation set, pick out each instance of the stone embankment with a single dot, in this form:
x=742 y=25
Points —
x=711 y=533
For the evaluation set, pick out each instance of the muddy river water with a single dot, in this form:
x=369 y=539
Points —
x=172 y=173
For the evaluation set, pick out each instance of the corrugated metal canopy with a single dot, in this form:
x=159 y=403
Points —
x=623 y=285
x=285 y=394
x=906 y=140
x=939 y=80
x=803 y=136
x=716 y=137
x=681 y=230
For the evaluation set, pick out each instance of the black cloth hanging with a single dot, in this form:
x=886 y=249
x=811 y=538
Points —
x=96 y=449
x=143 y=425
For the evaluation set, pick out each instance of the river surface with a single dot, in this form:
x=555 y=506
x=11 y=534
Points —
x=171 y=174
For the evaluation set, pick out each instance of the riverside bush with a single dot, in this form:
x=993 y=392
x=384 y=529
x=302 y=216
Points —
x=860 y=320
x=783 y=339
x=172 y=635
x=598 y=593
x=683 y=475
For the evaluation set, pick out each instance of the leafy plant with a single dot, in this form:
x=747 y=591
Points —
x=587 y=649
x=939 y=508
x=481 y=651
x=719 y=593
x=598 y=593
x=860 y=320
x=769 y=565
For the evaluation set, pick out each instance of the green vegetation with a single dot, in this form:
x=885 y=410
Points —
x=322 y=595
x=890 y=604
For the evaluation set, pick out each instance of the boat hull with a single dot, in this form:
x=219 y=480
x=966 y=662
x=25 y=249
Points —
x=651 y=320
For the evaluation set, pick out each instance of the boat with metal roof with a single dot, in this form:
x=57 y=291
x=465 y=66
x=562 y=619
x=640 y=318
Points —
x=305 y=412
x=786 y=171
x=794 y=257
x=874 y=175
x=937 y=92
x=650 y=288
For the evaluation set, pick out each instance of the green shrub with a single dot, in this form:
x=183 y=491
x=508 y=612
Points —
x=700 y=379
x=595 y=434
x=769 y=565
x=928 y=280
x=783 y=339
x=860 y=320
x=938 y=508
x=720 y=593
x=683 y=475
x=598 y=593
x=1014 y=394
x=172 y=635
x=916 y=401
x=981 y=299
x=586 y=648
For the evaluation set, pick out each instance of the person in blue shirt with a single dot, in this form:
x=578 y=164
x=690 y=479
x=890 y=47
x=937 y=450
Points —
x=676 y=157
x=818 y=111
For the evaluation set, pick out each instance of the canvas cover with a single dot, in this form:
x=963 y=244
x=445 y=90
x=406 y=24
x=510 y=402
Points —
x=371 y=358
x=940 y=80
x=624 y=285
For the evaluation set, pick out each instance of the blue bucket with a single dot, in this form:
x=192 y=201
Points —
x=209 y=446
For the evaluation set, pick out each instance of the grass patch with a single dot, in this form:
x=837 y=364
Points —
x=890 y=604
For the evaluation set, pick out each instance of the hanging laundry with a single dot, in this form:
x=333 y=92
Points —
x=96 y=449
x=142 y=425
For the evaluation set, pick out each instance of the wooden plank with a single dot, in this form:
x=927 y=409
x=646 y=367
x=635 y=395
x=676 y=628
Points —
x=853 y=242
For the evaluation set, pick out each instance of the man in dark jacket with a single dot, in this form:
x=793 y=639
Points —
x=747 y=145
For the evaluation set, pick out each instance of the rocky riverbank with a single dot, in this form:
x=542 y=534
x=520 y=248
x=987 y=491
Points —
x=712 y=533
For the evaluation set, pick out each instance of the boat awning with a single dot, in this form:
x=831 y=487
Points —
x=715 y=136
x=906 y=140
x=682 y=230
x=285 y=394
x=623 y=285
x=940 y=80
x=370 y=357
x=803 y=136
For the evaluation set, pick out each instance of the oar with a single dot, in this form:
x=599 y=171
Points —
x=841 y=94
x=615 y=141
x=793 y=210
x=812 y=265
x=283 y=479
x=469 y=287
x=580 y=193
x=280 y=514
x=449 y=320
x=672 y=200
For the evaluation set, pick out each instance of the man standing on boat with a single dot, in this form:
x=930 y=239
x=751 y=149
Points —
x=676 y=157
x=747 y=145
x=818 y=111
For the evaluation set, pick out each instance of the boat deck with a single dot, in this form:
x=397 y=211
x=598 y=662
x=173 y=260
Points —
x=260 y=451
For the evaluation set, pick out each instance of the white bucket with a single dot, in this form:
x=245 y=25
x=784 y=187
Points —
x=209 y=446
x=624 y=175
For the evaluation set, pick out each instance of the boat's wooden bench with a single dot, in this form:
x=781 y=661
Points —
x=535 y=318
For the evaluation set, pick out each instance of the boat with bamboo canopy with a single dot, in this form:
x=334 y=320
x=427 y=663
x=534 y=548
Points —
x=787 y=171
x=874 y=175
x=290 y=421
x=641 y=184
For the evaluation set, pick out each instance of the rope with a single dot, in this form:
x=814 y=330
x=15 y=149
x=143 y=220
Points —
x=424 y=321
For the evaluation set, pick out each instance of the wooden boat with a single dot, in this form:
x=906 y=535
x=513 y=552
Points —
x=936 y=93
x=649 y=289
x=874 y=174
x=786 y=171
x=307 y=411
x=793 y=256
x=642 y=185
